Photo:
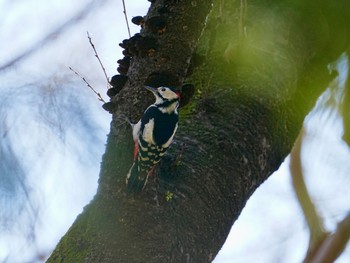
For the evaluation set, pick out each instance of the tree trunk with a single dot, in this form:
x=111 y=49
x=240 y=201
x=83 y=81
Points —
x=263 y=71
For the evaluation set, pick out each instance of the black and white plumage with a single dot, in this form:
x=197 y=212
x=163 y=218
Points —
x=153 y=135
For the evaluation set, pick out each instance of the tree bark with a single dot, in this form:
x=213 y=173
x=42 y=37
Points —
x=262 y=73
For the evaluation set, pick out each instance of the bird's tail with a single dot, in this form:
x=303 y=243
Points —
x=135 y=179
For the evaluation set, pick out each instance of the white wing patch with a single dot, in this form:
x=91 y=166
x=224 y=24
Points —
x=148 y=132
x=136 y=131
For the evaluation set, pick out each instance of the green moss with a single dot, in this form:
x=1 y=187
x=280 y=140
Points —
x=168 y=196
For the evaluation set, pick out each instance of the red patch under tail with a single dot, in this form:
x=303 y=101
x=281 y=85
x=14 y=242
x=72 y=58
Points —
x=136 y=150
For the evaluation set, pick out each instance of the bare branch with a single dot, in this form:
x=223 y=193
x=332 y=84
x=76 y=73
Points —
x=314 y=221
x=126 y=18
x=323 y=246
x=98 y=58
x=88 y=84
x=345 y=109
x=334 y=244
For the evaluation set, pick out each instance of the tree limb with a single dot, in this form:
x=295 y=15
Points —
x=314 y=221
x=243 y=122
x=334 y=244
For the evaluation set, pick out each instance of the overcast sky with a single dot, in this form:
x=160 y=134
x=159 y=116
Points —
x=54 y=131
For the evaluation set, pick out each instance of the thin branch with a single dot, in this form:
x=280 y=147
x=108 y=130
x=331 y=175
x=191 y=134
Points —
x=98 y=58
x=126 y=18
x=345 y=108
x=88 y=84
x=314 y=221
x=334 y=244
x=323 y=246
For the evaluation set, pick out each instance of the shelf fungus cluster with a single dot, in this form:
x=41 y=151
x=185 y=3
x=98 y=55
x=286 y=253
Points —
x=144 y=45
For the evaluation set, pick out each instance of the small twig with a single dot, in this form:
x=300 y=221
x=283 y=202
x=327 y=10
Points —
x=126 y=18
x=88 y=84
x=313 y=219
x=345 y=106
x=98 y=58
x=334 y=245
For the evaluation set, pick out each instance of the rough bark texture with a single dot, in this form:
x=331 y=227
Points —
x=262 y=73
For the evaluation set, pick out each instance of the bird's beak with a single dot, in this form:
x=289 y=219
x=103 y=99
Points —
x=153 y=90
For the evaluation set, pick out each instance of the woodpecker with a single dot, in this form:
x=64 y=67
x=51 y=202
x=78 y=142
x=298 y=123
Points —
x=152 y=135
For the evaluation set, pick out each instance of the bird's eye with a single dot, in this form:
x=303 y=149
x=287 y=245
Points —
x=163 y=89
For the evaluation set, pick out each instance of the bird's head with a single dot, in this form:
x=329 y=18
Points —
x=164 y=94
